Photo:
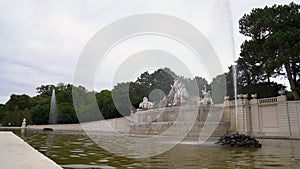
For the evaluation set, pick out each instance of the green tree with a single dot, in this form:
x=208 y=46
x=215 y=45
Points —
x=145 y=79
x=22 y=101
x=194 y=86
x=41 y=104
x=84 y=102
x=160 y=79
x=218 y=88
x=263 y=90
x=121 y=98
x=106 y=105
x=40 y=114
x=64 y=93
x=274 y=45
x=40 y=109
x=2 y=112
x=45 y=90
x=27 y=115
x=127 y=96
x=136 y=93
x=17 y=108
x=66 y=113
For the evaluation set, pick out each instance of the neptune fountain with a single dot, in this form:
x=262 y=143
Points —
x=175 y=109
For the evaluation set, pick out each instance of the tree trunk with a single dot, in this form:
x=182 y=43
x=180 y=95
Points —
x=294 y=70
x=292 y=82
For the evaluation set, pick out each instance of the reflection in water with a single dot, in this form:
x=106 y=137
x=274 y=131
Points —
x=76 y=150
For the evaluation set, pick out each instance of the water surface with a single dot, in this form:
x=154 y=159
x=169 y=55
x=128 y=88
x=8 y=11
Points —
x=76 y=150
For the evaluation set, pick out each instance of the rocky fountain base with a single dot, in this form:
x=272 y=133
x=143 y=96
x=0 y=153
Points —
x=47 y=129
x=239 y=140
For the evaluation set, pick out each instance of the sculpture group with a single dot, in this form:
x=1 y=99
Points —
x=206 y=97
x=145 y=105
x=178 y=95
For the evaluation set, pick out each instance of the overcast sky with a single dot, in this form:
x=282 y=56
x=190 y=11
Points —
x=40 y=41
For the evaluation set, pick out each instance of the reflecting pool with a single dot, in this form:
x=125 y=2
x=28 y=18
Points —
x=74 y=149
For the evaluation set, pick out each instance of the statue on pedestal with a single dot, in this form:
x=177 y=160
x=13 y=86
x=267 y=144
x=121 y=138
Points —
x=177 y=94
x=206 y=97
x=24 y=123
x=145 y=105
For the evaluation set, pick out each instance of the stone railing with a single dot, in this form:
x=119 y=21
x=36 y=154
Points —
x=267 y=100
x=258 y=101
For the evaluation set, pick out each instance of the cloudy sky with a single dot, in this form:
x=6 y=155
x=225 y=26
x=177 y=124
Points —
x=41 y=41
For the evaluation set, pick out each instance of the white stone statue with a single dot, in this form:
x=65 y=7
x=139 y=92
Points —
x=206 y=97
x=177 y=94
x=23 y=123
x=145 y=105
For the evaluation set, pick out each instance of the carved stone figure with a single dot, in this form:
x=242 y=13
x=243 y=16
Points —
x=23 y=123
x=206 y=97
x=176 y=95
x=145 y=105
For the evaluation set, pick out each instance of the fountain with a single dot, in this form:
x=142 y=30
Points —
x=53 y=109
x=176 y=105
x=239 y=140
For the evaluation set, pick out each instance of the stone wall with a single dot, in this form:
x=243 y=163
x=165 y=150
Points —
x=265 y=117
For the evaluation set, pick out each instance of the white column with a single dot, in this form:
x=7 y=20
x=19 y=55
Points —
x=255 y=120
x=283 y=118
x=293 y=118
x=240 y=116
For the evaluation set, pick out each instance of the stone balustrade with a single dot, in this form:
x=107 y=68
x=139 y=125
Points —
x=273 y=116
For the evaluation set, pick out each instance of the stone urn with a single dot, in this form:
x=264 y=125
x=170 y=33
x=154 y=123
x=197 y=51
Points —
x=240 y=96
x=281 y=92
x=254 y=96
x=245 y=96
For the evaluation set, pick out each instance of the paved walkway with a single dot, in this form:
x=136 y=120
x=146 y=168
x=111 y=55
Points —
x=16 y=153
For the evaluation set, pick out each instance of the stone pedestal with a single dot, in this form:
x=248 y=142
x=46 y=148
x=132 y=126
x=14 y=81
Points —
x=23 y=123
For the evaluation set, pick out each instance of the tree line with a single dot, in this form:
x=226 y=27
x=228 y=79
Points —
x=36 y=109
